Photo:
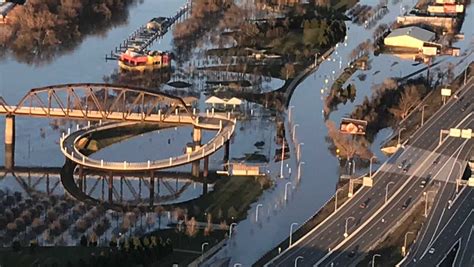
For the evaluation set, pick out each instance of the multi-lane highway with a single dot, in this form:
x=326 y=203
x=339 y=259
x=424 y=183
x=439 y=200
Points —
x=324 y=244
x=457 y=230
x=452 y=152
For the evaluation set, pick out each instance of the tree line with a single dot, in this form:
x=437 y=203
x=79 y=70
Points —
x=40 y=29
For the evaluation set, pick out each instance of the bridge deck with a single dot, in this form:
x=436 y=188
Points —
x=224 y=125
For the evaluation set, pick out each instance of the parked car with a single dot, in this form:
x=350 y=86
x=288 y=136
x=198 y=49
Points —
x=431 y=251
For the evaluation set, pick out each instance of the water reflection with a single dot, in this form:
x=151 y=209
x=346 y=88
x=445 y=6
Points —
x=39 y=32
x=35 y=206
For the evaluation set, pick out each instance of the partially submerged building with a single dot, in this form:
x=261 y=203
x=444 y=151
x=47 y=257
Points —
x=413 y=38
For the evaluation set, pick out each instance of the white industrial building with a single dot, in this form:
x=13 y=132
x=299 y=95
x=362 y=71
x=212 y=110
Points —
x=409 y=37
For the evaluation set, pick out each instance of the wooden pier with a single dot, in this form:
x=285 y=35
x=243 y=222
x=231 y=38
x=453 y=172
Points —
x=143 y=37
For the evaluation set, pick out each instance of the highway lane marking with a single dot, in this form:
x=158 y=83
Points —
x=438 y=200
x=441 y=231
x=388 y=202
x=449 y=250
x=468 y=85
x=446 y=108
x=465 y=247
x=462 y=224
x=452 y=140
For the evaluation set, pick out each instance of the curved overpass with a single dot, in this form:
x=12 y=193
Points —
x=224 y=126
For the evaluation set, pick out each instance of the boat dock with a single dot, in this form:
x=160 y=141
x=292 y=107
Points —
x=147 y=34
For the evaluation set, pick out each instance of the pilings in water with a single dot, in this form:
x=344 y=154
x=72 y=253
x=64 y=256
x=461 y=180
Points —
x=152 y=188
x=197 y=137
x=226 y=155
x=111 y=188
x=9 y=142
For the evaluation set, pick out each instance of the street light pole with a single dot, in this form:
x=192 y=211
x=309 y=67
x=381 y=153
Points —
x=203 y=245
x=370 y=167
x=256 y=212
x=399 y=132
x=298 y=151
x=423 y=114
x=373 y=259
x=299 y=170
x=291 y=233
x=296 y=260
x=282 y=157
x=286 y=190
x=405 y=243
x=335 y=200
x=230 y=229
x=345 y=229
x=294 y=131
x=426 y=201
x=289 y=112
x=386 y=190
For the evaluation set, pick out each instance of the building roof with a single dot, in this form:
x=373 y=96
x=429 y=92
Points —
x=5 y=8
x=215 y=100
x=413 y=31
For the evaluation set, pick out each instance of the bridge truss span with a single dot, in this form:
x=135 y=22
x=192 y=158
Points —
x=94 y=101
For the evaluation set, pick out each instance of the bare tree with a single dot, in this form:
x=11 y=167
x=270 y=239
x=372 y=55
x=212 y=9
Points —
x=191 y=227
x=288 y=71
x=348 y=146
x=408 y=100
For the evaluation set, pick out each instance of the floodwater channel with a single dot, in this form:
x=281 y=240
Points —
x=37 y=139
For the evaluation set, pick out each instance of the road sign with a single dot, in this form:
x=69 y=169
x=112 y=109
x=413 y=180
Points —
x=466 y=133
x=446 y=92
x=353 y=126
x=455 y=132
x=367 y=181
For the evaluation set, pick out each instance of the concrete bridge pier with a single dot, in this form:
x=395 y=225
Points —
x=195 y=168
x=9 y=142
x=226 y=155
x=111 y=188
x=152 y=189
x=81 y=179
x=197 y=135
x=205 y=172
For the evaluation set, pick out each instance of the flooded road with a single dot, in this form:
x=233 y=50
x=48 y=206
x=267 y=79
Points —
x=37 y=141
x=320 y=173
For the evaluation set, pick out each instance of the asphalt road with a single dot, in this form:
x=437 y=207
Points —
x=393 y=212
x=420 y=150
x=458 y=229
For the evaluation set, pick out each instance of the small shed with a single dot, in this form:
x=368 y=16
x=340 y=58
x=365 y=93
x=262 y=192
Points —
x=245 y=170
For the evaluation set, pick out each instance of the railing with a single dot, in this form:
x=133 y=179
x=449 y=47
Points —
x=224 y=125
